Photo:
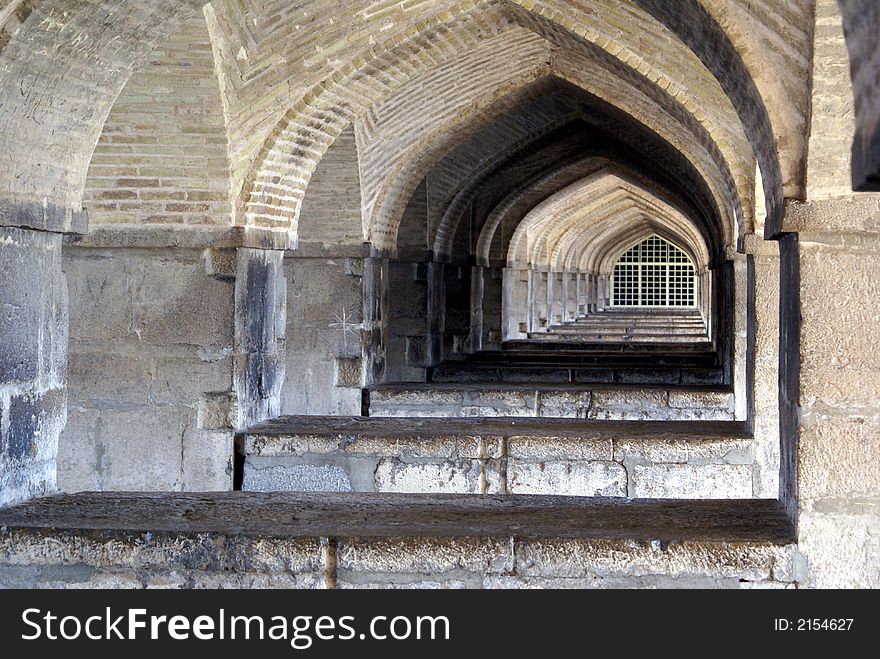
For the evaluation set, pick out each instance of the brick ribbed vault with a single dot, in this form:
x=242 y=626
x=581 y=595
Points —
x=278 y=182
x=498 y=159
x=693 y=55
x=61 y=69
x=581 y=222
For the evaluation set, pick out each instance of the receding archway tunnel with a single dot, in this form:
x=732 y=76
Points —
x=508 y=245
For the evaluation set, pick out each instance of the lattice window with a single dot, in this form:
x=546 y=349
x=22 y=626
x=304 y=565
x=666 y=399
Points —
x=654 y=273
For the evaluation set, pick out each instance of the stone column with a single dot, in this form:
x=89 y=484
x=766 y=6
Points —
x=33 y=346
x=375 y=303
x=260 y=330
x=477 y=289
x=838 y=455
x=436 y=312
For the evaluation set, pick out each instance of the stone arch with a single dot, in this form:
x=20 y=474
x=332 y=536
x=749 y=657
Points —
x=413 y=171
x=48 y=144
x=591 y=248
x=519 y=202
x=596 y=197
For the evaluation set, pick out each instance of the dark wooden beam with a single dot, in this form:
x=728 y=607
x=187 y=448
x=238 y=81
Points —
x=407 y=515
x=501 y=427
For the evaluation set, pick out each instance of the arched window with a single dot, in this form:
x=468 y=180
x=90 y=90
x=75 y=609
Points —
x=653 y=273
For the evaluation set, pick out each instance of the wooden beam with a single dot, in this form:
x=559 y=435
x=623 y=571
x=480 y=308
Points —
x=285 y=514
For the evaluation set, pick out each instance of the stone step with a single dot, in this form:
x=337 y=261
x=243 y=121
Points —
x=703 y=459
x=616 y=327
x=617 y=338
x=658 y=331
x=636 y=320
x=603 y=356
x=573 y=349
x=574 y=401
x=548 y=373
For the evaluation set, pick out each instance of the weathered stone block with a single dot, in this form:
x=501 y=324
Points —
x=701 y=400
x=404 y=447
x=207 y=461
x=291 y=445
x=292 y=555
x=499 y=403
x=841 y=549
x=295 y=478
x=628 y=404
x=33 y=297
x=839 y=357
x=102 y=288
x=460 y=477
x=621 y=558
x=677 y=481
x=586 y=479
x=839 y=456
x=539 y=449
x=108 y=378
x=479 y=447
x=348 y=372
x=565 y=404
x=144 y=447
x=681 y=451
x=424 y=556
x=217 y=411
x=177 y=302
x=81 y=453
x=187 y=379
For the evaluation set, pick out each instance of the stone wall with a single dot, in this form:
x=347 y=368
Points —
x=613 y=465
x=174 y=346
x=151 y=345
x=324 y=328
x=839 y=456
x=108 y=560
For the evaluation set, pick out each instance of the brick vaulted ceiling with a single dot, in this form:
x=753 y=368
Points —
x=728 y=88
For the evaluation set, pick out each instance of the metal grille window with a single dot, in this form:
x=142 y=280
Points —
x=653 y=273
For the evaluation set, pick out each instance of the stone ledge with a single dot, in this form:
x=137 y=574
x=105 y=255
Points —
x=43 y=217
x=162 y=236
x=407 y=515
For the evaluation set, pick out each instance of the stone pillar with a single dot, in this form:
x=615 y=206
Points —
x=493 y=308
x=477 y=289
x=33 y=346
x=534 y=278
x=436 y=312
x=767 y=285
x=743 y=320
x=550 y=298
x=375 y=300
x=838 y=455
x=260 y=330
x=602 y=292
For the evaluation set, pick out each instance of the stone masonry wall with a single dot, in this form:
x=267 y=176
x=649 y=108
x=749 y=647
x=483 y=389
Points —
x=612 y=466
x=107 y=560
x=324 y=324
x=150 y=346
